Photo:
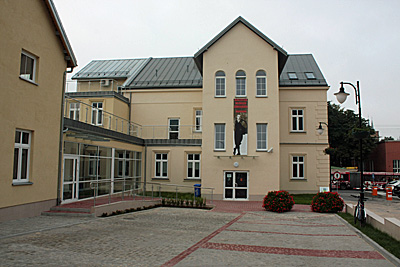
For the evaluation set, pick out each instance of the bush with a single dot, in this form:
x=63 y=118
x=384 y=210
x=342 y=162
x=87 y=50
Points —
x=327 y=202
x=278 y=201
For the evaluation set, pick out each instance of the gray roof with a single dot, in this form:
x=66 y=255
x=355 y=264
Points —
x=282 y=54
x=168 y=73
x=301 y=64
x=111 y=69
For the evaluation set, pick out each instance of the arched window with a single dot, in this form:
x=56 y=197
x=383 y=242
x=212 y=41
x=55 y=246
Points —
x=220 y=84
x=240 y=83
x=261 y=82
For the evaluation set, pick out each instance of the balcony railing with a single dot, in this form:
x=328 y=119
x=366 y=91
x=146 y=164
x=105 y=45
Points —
x=83 y=112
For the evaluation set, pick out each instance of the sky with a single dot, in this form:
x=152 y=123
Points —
x=351 y=40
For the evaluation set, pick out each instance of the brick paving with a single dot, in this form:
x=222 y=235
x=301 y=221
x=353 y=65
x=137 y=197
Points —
x=233 y=234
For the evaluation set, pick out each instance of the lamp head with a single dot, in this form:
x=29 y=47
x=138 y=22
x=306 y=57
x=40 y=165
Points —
x=341 y=96
x=320 y=130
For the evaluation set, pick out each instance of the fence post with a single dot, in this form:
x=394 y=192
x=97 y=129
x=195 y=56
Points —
x=109 y=123
x=176 y=194
x=152 y=191
x=87 y=109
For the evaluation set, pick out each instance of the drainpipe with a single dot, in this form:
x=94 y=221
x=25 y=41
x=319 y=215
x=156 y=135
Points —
x=60 y=145
x=145 y=167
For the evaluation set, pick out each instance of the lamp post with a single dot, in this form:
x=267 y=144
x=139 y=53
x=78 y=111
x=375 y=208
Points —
x=320 y=131
x=341 y=97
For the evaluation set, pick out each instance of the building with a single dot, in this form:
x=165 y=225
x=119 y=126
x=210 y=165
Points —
x=33 y=60
x=385 y=157
x=240 y=117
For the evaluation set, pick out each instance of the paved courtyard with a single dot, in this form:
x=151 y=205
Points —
x=187 y=237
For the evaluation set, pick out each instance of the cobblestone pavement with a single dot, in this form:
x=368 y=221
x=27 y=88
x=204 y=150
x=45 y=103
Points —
x=187 y=237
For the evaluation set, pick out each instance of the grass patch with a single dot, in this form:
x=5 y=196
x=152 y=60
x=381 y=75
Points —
x=304 y=199
x=384 y=240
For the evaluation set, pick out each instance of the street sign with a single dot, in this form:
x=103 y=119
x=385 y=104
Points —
x=336 y=175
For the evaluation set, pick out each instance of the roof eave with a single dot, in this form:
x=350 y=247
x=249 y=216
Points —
x=69 y=53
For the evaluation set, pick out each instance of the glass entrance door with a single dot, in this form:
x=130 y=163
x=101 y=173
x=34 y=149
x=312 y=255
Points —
x=236 y=185
x=70 y=179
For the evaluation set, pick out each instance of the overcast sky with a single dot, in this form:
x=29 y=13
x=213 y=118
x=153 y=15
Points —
x=350 y=40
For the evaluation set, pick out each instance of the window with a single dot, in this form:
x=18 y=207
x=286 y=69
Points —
x=28 y=66
x=161 y=170
x=219 y=136
x=292 y=76
x=92 y=171
x=297 y=120
x=297 y=167
x=261 y=136
x=220 y=84
x=22 y=149
x=74 y=111
x=198 y=120
x=310 y=75
x=193 y=166
x=396 y=165
x=240 y=83
x=261 y=81
x=173 y=128
x=97 y=113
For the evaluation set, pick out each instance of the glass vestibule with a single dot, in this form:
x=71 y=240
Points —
x=100 y=170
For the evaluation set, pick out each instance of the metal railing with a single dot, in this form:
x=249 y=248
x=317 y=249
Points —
x=138 y=189
x=78 y=110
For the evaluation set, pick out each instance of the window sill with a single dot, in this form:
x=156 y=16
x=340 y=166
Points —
x=261 y=96
x=159 y=178
x=298 y=179
x=29 y=81
x=299 y=132
x=215 y=150
x=220 y=96
x=261 y=150
x=191 y=179
x=241 y=96
x=21 y=183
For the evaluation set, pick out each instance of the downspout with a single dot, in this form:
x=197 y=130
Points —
x=60 y=145
x=145 y=167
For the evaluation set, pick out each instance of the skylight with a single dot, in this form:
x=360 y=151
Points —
x=310 y=75
x=292 y=75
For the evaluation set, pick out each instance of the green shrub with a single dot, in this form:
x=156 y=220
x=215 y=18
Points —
x=327 y=202
x=278 y=201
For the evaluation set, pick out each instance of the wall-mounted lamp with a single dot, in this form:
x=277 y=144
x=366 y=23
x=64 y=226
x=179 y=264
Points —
x=320 y=130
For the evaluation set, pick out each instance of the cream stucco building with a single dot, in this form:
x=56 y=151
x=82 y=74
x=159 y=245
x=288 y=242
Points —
x=34 y=56
x=239 y=117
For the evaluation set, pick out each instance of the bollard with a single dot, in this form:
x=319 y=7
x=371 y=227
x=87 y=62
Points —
x=389 y=193
x=374 y=190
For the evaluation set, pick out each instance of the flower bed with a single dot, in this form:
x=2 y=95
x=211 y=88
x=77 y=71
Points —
x=278 y=201
x=327 y=202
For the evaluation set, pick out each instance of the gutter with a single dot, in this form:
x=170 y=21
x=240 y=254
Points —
x=60 y=145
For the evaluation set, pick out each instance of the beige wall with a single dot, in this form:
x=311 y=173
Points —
x=309 y=143
x=152 y=108
x=26 y=25
x=241 y=49
x=95 y=85
x=177 y=167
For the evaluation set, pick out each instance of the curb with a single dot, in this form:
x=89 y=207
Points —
x=389 y=256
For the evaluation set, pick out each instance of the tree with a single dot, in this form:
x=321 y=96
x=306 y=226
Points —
x=344 y=135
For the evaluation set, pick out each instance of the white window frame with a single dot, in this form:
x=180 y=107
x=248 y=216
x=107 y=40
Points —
x=24 y=75
x=241 y=78
x=297 y=120
x=198 y=120
x=217 y=139
x=74 y=110
x=264 y=78
x=160 y=162
x=262 y=137
x=170 y=131
x=219 y=81
x=193 y=162
x=20 y=147
x=396 y=165
x=296 y=162
x=97 y=113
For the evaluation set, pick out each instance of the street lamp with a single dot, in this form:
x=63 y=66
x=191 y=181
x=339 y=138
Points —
x=341 y=97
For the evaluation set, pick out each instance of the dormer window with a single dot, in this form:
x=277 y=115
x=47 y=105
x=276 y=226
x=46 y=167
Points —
x=310 y=75
x=292 y=76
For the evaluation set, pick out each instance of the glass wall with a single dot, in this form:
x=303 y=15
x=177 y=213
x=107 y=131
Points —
x=104 y=170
